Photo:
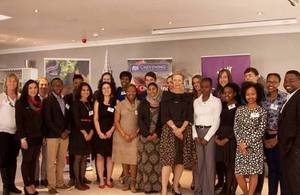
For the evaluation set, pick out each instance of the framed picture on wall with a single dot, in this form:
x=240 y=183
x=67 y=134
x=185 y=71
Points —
x=65 y=68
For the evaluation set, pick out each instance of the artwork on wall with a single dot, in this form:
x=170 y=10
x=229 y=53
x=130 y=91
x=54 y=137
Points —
x=140 y=66
x=65 y=68
x=236 y=64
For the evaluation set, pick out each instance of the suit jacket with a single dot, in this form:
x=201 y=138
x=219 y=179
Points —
x=289 y=126
x=55 y=121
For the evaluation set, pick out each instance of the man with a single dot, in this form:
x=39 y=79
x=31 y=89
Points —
x=69 y=99
x=150 y=77
x=43 y=93
x=251 y=75
x=273 y=104
x=289 y=133
x=57 y=122
x=125 y=79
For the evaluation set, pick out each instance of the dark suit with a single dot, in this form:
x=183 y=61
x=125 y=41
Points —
x=289 y=143
x=56 y=121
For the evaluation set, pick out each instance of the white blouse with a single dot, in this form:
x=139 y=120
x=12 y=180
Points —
x=7 y=114
x=207 y=114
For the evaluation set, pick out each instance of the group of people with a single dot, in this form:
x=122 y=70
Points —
x=224 y=132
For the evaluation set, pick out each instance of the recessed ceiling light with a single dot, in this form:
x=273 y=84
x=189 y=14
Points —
x=36 y=11
x=95 y=34
x=3 y=17
x=260 y=13
x=102 y=29
x=170 y=22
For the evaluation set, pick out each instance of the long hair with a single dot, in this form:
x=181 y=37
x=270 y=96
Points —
x=197 y=76
x=25 y=95
x=78 y=92
x=228 y=73
x=10 y=76
x=113 y=98
x=111 y=78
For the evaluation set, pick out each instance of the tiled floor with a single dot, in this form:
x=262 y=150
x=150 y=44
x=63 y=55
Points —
x=185 y=183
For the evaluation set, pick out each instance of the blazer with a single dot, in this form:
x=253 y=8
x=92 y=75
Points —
x=144 y=119
x=29 y=123
x=289 y=126
x=55 y=121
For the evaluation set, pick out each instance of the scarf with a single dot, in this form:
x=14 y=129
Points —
x=154 y=101
x=35 y=105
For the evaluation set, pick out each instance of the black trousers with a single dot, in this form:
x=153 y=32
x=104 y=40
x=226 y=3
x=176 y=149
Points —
x=291 y=171
x=9 y=150
x=28 y=164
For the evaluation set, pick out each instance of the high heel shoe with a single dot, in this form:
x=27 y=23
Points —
x=27 y=193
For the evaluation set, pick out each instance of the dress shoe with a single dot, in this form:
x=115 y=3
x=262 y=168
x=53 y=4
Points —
x=80 y=187
x=71 y=182
x=86 y=181
x=63 y=187
x=5 y=191
x=15 y=190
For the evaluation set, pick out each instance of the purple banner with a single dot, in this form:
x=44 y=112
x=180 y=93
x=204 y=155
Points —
x=236 y=64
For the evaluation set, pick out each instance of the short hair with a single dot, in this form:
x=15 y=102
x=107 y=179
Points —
x=42 y=78
x=126 y=74
x=151 y=74
x=294 y=72
x=235 y=88
x=258 y=88
x=131 y=85
x=56 y=79
x=251 y=69
x=77 y=76
x=207 y=79
x=274 y=74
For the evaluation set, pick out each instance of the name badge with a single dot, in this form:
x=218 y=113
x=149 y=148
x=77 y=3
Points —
x=123 y=93
x=110 y=109
x=274 y=107
x=254 y=115
x=136 y=112
x=67 y=106
x=91 y=112
x=231 y=106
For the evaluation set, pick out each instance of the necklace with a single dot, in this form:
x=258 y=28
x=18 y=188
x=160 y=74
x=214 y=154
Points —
x=9 y=102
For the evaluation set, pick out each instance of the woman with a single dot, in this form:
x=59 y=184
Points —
x=196 y=82
x=224 y=77
x=148 y=175
x=105 y=77
x=29 y=122
x=104 y=125
x=83 y=114
x=249 y=127
x=225 y=140
x=9 y=145
x=176 y=141
x=125 y=138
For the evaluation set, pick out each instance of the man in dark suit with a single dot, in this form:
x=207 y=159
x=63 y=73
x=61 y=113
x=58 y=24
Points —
x=57 y=123
x=289 y=133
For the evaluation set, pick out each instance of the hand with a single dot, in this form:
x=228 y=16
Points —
x=271 y=143
x=198 y=140
x=222 y=142
x=44 y=141
x=204 y=142
x=178 y=133
x=90 y=135
x=243 y=148
x=24 y=144
x=64 y=134
x=102 y=135
x=217 y=141
x=108 y=134
x=149 y=138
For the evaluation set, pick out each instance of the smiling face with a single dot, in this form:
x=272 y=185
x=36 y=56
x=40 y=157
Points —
x=106 y=89
x=131 y=93
x=106 y=78
x=272 y=83
x=124 y=81
x=152 y=91
x=57 y=86
x=251 y=77
x=291 y=83
x=206 y=88
x=85 y=92
x=229 y=94
x=11 y=83
x=43 y=86
x=177 y=82
x=251 y=95
x=223 y=79
x=196 y=82
x=33 y=90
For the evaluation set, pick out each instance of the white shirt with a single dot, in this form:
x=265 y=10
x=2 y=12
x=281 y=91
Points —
x=287 y=99
x=207 y=114
x=7 y=114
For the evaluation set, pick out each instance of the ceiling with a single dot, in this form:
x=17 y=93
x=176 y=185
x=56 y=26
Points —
x=61 y=22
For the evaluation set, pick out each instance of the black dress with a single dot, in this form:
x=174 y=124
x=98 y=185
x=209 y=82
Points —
x=106 y=119
x=83 y=119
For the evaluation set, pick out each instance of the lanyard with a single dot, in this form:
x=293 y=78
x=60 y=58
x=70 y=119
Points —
x=9 y=102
